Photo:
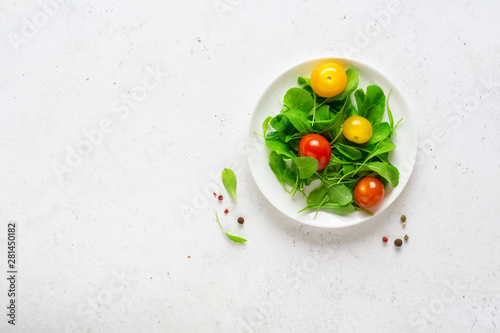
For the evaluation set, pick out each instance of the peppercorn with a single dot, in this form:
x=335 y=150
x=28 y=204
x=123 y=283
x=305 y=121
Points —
x=226 y=211
x=403 y=218
x=398 y=242
x=403 y=224
x=221 y=197
x=406 y=237
x=241 y=220
x=385 y=239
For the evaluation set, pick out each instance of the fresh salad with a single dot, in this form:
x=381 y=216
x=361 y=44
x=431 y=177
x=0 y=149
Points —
x=330 y=133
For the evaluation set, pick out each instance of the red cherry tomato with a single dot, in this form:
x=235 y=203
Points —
x=314 y=145
x=369 y=192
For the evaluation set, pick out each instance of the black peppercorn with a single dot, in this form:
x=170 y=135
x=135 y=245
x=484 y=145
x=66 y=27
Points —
x=398 y=242
x=241 y=220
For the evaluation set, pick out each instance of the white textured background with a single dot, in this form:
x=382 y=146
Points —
x=105 y=248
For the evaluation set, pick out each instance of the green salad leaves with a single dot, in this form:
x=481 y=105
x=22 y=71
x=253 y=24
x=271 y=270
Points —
x=304 y=112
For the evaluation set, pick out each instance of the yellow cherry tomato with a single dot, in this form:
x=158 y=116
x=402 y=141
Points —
x=357 y=129
x=328 y=80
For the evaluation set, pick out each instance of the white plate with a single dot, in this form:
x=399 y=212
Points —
x=403 y=157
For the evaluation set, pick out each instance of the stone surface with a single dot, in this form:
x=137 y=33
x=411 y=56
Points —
x=156 y=96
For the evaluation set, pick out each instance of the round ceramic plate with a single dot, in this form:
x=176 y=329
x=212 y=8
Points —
x=403 y=157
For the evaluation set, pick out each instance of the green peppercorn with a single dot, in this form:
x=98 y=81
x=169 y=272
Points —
x=406 y=237
x=398 y=242
x=403 y=218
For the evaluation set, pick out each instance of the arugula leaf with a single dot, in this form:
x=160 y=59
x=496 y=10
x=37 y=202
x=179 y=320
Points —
x=374 y=114
x=282 y=125
x=334 y=160
x=374 y=96
x=356 y=207
x=317 y=196
x=278 y=146
x=348 y=151
x=309 y=180
x=277 y=165
x=306 y=166
x=299 y=182
x=335 y=207
x=384 y=146
x=384 y=157
x=272 y=135
x=279 y=122
x=351 y=111
x=321 y=117
x=332 y=173
x=347 y=168
x=338 y=209
x=304 y=80
x=290 y=137
x=318 y=199
x=235 y=239
x=299 y=121
x=265 y=124
x=322 y=113
x=385 y=170
x=380 y=132
x=338 y=193
x=335 y=126
x=298 y=99
x=294 y=144
x=359 y=95
x=290 y=177
x=389 y=112
x=229 y=181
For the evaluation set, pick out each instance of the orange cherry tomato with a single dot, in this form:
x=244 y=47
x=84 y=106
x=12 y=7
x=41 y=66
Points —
x=369 y=192
x=328 y=80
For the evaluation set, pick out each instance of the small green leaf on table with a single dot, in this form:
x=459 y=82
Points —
x=235 y=239
x=229 y=181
